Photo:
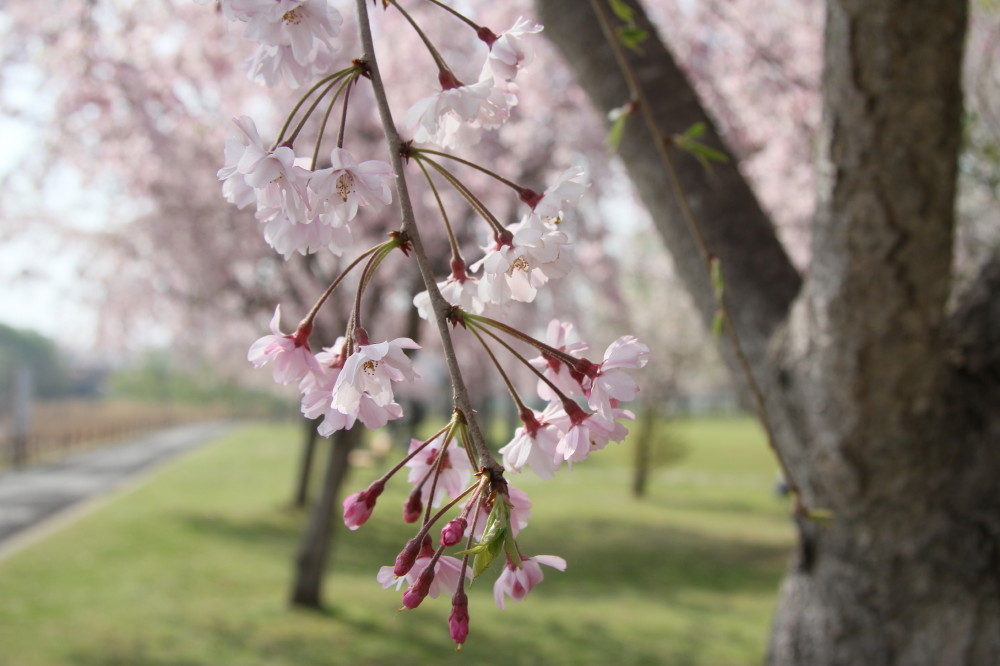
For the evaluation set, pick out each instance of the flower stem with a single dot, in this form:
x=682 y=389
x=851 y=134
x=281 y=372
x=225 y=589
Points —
x=455 y=252
x=333 y=285
x=460 y=16
x=541 y=375
x=438 y=59
x=506 y=380
x=473 y=200
x=492 y=174
x=302 y=100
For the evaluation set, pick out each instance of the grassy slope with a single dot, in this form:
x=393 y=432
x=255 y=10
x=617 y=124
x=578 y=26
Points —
x=192 y=569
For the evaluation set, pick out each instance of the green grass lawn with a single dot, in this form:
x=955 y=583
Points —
x=192 y=568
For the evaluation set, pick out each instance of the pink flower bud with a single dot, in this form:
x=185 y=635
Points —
x=458 y=621
x=358 y=507
x=453 y=531
x=413 y=507
x=406 y=557
x=416 y=592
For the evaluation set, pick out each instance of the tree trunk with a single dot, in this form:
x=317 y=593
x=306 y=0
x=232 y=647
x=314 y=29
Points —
x=643 y=448
x=883 y=402
x=305 y=465
x=310 y=563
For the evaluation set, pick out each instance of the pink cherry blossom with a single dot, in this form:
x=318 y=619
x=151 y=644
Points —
x=288 y=236
x=306 y=26
x=348 y=184
x=452 y=533
x=515 y=270
x=582 y=432
x=317 y=397
x=370 y=371
x=568 y=188
x=437 y=118
x=558 y=335
x=611 y=383
x=516 y=581
x=447 y=572
x=534 y=444
x=272 y=65
x=463 y=292
x=291 y=355
x=511 y=51
x=455 y=470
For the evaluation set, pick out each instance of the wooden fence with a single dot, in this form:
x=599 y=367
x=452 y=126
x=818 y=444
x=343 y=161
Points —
x=56 y=429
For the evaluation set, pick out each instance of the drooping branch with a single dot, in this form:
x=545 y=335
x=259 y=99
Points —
x=439 y=306
x=760 y=279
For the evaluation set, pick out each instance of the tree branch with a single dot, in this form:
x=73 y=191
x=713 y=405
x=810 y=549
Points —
x=760 y=279
x=439 y=306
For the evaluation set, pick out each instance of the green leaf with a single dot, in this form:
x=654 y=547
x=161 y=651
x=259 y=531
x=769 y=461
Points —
x=622 y=10
x=617 y=131
x=694 y=131
x=700 y=149
x=632 y=37
x=718 y=282
x=485 y=558
x=495 y=536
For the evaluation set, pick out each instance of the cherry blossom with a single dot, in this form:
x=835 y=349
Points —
x=582 y=432
x=557 y=335
x=453 y=477
x=447 y=572
x=458 y=620
x=317 y=397
x=306 y=26
x=288 y=235
x=511 y=51
x=516 y=581
x=348 y=184
x=569 y=187
x=611 y=383
x=534 y=444
x=516 y=269
x=370 y=371
x=291 y=355
x=272 y=65
x=437 y=118
x=462 y=291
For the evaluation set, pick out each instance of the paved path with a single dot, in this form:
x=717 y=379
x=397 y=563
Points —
x=31 y=496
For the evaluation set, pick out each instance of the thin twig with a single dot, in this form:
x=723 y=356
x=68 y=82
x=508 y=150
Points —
x=662 y=143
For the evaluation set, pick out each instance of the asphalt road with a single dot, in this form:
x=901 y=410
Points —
x=33 y=496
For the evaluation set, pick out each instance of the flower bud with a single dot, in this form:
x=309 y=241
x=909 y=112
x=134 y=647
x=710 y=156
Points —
x=458 y=621
x=359 y=506
x=413 y=507
x=406 y=557
x=416 y=592
x=453 y=531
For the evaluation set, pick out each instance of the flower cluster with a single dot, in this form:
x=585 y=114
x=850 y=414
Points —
x=301 y=210
x=457 y=486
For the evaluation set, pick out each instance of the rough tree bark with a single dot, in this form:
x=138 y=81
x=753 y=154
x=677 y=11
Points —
x=883 y=401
